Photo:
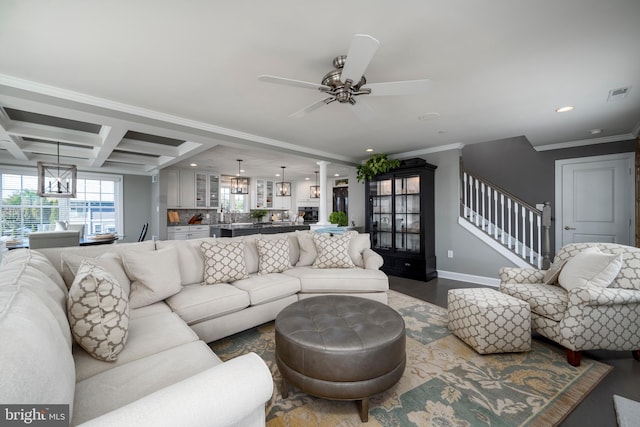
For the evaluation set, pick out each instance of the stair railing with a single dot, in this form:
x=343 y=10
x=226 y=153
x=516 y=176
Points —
x=510 y=221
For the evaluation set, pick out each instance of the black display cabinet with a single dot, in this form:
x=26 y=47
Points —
x=400 y=218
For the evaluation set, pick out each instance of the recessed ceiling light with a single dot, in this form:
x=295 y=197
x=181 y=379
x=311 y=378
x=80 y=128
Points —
x=307 y=179
x=595 y=131
x=193 y=165
x=241 y=170
x=277 y=174
x=336 y=174
x=564 y=109
x=369 y=150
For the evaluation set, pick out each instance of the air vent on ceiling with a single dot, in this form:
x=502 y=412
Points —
x=618 y=94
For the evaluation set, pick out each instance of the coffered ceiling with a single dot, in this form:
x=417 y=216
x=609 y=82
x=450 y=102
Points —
x=133 y=87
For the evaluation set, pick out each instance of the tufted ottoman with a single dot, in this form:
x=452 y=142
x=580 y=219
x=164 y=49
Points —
x=489 y=321
x=340 y=347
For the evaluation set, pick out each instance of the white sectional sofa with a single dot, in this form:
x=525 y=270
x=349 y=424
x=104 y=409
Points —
x=165 y=373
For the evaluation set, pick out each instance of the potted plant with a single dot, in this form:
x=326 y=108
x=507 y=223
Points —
x=258 y=214
x=377 y=164
x=339 y=218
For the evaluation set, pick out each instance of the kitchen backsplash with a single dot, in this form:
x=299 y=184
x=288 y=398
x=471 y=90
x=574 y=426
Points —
x=214 y=217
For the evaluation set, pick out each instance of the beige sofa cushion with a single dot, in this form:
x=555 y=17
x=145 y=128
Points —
x=147 y=335
x=98 y=311
x=308 y=252
x=223 y=261
x=196 y=303
x=333 y=251
x=267 y=288
x=358 y=243
x=154 y=275
x=273 y=255
x=339 y=280
x=109 y=261
x=124 y=384
x=37 y=365
x=190 y=259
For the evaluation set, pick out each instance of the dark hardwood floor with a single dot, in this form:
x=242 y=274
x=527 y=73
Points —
x=597 y=408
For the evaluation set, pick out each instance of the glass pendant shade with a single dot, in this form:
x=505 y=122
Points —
x=283 y=188
x=314 y=190
x=57 y=180
x=239 y=184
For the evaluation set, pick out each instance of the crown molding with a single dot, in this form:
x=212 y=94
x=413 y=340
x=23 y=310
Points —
x=582 y=142
x=430 y=150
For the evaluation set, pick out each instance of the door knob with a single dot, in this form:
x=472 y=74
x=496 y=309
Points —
x=566 y=227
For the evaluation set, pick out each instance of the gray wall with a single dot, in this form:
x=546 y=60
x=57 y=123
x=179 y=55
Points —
x=515 y=166
x=137 y=205
x=471 y=256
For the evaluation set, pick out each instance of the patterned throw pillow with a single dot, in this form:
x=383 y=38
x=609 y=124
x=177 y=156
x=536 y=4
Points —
x=273 y=255
x=98 y=311
x=333 y=251
x=223 y=262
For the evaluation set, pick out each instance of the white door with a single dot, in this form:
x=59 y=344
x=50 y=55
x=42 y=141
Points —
x=594 y=199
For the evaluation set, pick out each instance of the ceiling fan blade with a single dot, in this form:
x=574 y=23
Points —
x=292 y=82
x=309 y=108
x=407 y=87
x=363 y=110
x=361 y=51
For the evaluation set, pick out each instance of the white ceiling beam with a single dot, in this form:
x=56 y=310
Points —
x=50 y=133
x=133 y=158
x=63 y=160
x=111 y=137
x=52 y=149
x=9 y=142
x=148 y=148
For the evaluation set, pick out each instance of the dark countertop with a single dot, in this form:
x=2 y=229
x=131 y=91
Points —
x=233 y=230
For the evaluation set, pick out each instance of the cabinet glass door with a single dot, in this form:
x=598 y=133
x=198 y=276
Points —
x=201 y=190
x=269 y=194
x=260 y=193
x=407 y=214
x=214 y=188
x=381 y=214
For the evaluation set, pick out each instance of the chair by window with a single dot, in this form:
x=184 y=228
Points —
x=77 y=227
x=54 y=239
x=143 y=233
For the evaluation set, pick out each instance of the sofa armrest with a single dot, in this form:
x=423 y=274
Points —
x=520 y=275
x=228 y=394
x=371 y=259
x=594 y=296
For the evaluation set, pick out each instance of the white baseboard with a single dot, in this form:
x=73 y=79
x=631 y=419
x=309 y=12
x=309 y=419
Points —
x=470 y=278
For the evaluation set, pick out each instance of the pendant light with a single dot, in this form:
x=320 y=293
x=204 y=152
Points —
x=239 y=184
x=57 y=180
x=283 y=189
x=314 y=190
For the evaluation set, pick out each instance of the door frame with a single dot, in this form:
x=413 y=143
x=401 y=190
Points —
x=630 y=157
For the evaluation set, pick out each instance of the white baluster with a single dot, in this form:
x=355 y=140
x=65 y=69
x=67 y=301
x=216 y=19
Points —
x=495 y=215
x=477 y=203
x=465 y=202
x=509 y=203
x=516 y=237
x=482 y=196
x=502 y=208
x=524 y=233
x=539 y=225
x=531 y=237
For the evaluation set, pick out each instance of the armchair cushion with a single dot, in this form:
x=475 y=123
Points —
x=590 y=267
x=545 y=300
x=520 y=275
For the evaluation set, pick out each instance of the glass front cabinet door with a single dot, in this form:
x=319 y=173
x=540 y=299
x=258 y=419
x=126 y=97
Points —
x=400 y=219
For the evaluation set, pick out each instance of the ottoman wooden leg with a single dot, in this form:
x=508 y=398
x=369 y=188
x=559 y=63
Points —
x=363 y=409
x=284 y=389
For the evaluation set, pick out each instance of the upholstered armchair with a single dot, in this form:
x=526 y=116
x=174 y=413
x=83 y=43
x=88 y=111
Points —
x=591 y=315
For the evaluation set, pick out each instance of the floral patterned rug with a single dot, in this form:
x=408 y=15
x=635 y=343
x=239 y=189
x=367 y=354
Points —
x=446 y=383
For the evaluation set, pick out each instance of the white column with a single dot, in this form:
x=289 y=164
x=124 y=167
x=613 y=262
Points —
x=323 y=215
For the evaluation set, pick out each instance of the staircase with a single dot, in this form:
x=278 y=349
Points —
x=517 y=230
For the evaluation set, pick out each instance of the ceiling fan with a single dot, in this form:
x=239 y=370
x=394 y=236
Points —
x=347 y=81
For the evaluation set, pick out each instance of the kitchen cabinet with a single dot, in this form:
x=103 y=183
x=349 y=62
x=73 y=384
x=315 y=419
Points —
x=180 y=188
x=264 y=194
x=207 y=190
x=283 y=202
x=400 y=219
x=186 y=232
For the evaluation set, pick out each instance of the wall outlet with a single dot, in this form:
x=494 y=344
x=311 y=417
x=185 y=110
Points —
x=449 y=254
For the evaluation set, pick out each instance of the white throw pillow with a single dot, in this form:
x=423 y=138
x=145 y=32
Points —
x=154 y=275
x=333 y=251
x=223 y=262
x=590 y=267
x=98 y=312
x=273 y=255
x=109 y=261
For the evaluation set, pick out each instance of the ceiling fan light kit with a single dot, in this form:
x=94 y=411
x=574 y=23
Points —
x=283 y=189
x=347 y=81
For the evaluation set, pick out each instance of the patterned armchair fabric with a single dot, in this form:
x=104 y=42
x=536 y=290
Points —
x=586 y=318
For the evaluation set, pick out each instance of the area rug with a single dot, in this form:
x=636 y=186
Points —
x=446 y=383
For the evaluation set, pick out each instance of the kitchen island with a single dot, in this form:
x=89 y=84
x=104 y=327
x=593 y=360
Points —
x=233 y=230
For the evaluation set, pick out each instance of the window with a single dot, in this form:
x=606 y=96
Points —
x=232 y=202
x=97 y=204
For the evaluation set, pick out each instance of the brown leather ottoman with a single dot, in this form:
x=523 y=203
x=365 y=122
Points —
x=340 y=347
